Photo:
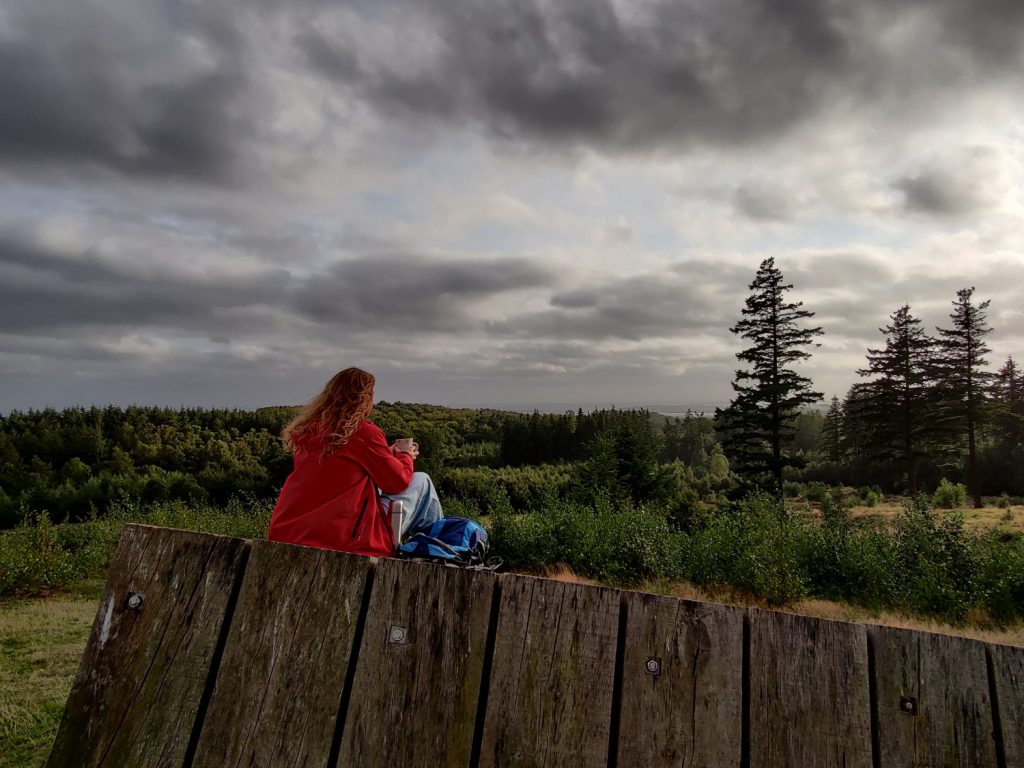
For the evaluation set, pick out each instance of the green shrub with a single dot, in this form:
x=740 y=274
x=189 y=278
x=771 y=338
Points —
x=1003 y=502
x=871 y=499
x=616 y=544
x=33 y=560
x=816 y=491
x=949 y=495
x=39 y=556
x=527 y=488
x=753 y=546
x=792 y=489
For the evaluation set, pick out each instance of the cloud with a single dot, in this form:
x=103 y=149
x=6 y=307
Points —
x=42 y=289
x=765 y=202
x=410 y=292
x=965 y=182
x=561 y=197
x=122 y=86
x=656 y=76
x=587 y=73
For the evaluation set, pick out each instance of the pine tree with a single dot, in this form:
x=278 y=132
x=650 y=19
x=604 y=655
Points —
x=1008 y=402
x=896 y=407
x=832 y=432
x=962 y=351
x=758 y=424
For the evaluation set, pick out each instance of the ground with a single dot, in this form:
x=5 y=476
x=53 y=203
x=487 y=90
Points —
x=974 y=519
x=41 y=642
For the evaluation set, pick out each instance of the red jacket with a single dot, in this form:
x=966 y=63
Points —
x=330 y=501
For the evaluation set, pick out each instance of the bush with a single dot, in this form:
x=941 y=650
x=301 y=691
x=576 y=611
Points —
x=616 y=544
x=526 y=488
x=792 y=490
x=949 y=495
x=816 y=491
x=871 y=499
x=753 y=546
x=33 y=559
x=1003 y=502
x=39 y=556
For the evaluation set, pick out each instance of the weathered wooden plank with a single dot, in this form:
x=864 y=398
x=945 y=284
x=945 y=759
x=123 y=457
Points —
x=809 y=692
x=145 y=667
x=550 y=696
x=933 y=700
x=1008 y=677
x=420 y=667
x=276 y=697
x=682 y=683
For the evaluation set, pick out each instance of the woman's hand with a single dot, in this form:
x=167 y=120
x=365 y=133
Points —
x=413 y=449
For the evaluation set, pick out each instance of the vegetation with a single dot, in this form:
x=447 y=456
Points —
x=758 y=424
x=893 y=411
x=963 y=380
x=41 y=643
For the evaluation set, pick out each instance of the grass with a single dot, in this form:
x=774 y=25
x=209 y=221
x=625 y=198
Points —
x=42 y=642
x=828 y=609
x=815 y=608
x=974 y=519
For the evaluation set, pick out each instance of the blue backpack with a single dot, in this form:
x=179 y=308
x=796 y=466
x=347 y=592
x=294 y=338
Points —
x=451 y=540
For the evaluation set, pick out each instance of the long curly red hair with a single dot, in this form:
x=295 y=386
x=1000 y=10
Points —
x=336 y=412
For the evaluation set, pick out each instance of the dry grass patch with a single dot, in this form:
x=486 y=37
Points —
x=41 y=642
x=562 y=572
x=982 y=519
x=979 y=628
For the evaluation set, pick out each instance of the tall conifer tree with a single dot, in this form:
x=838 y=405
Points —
x=758 y=422
x=832 y=431
x=896 y=407
x=962 y=351
x=1008 y=398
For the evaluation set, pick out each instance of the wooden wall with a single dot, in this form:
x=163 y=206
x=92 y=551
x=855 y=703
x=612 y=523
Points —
x=214 y=651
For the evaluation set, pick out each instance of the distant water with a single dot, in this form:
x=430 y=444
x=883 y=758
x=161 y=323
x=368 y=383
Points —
x=674 y=410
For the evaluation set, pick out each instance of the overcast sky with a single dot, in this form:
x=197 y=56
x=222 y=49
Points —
x=490 y=202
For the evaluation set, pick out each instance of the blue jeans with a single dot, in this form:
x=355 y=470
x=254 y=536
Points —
x=422 y=507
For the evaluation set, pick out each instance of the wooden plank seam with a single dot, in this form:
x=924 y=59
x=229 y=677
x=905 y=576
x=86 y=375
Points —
x=876 y=749
x=997 y=723
x=620 y=662
x=218 y=654
x=485 y=676
x=745 y=695
x=350 y=673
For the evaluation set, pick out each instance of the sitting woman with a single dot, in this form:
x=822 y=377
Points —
x=346 y=476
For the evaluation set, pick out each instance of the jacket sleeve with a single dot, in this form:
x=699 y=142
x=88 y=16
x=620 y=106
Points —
x=391 y=472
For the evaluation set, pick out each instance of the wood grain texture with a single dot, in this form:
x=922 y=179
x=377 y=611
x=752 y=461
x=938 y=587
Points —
x=691 y=713
x=139 y=685
x=414 y=702
x=276 y=697
x=809 y=692
x=947 y=677
x=550 y=697
x=1008 y=679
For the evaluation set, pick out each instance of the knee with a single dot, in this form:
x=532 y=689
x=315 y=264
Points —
x=421 y=480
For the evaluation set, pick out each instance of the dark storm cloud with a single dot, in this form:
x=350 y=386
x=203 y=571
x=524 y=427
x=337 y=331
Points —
x=634 y=308
x=40 y=289
x=765 y=202
x=123 y=86
x=577 y=72
x=179 y=88
x=663 y=75
x=941 y=193
x=411 y=292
